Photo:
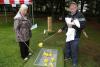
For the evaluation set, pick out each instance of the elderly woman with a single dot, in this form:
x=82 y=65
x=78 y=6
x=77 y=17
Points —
x=22 y=27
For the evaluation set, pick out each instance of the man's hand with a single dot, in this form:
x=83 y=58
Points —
x=85 y=34
x=71 y=24
x=60 y=30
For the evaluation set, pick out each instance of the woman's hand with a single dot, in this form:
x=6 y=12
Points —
x=60 y=30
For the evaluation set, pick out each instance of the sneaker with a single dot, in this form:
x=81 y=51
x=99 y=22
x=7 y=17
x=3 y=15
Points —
x=26 y=58
x=75 y=65
x=66 y=59
x=30 y=54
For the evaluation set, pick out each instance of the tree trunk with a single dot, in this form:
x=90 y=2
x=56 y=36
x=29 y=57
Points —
x=82 y=5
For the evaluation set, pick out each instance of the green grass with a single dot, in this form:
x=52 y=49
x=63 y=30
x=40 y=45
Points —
x=89 y=51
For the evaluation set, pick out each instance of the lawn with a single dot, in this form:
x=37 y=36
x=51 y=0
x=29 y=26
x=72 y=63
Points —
x=89 y=52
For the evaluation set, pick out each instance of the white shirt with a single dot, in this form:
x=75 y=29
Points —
x=71 y=31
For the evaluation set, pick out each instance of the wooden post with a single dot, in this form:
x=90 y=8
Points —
x=5 y=14
x=49 y=24
x=32 y=13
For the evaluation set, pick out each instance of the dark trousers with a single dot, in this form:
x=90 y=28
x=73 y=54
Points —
x=71 y=50
x=24 y=49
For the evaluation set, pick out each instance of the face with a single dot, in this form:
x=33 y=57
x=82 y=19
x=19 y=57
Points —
x=24 y=12
x=73 y=8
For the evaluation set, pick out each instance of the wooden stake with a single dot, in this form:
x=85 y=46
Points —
x=49 y=24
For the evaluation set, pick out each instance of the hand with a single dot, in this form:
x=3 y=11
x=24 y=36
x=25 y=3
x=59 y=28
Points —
x=71 y=24
x=60 y=30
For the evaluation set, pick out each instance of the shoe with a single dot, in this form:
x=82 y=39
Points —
x=26 y=58
x=66 y=59
x=30 y=54
x=75 y=65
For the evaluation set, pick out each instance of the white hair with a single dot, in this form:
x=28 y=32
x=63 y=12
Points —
x=22 y=7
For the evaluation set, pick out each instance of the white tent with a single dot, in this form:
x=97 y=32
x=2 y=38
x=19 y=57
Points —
x=14 y=2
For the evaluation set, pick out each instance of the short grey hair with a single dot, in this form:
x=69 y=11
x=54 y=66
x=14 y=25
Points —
x=73 y=3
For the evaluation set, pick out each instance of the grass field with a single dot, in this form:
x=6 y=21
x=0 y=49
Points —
x=89 y=49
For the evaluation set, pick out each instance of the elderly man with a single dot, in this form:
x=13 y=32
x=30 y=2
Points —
x=74 y=24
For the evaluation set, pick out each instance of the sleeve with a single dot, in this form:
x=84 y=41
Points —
x=17 y=25
x=64 y=28
x=82 y=22
x=30 y=23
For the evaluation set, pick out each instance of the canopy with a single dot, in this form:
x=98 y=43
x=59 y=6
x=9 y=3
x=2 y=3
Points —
x=15 y=1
